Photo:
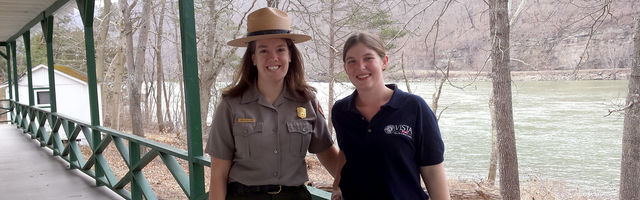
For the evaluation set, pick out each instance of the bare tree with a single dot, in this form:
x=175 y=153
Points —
x=630 y=166
x=159 y=68
x=135 y=67
x=103 y=30
x=215 y=53
x=501 y=74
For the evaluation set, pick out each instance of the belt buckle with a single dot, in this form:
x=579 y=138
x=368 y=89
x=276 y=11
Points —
x=276 y=192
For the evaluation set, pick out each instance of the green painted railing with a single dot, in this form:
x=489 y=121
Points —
x=6 y=108
x=33 y=121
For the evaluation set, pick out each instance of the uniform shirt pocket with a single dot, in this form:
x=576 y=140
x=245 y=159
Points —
x=244 y=135
x=299 y=136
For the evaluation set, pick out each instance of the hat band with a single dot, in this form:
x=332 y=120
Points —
x=269 y=32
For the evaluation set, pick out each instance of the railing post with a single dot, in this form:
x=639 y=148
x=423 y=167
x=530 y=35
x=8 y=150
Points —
x=47 y=29
x=27 y=46
x=9 y=83
x=134 y=158
x=192 y=97
x=15 y=82
x=86 y=8
x=15 y=70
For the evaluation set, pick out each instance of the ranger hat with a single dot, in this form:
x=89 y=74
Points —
x=267 y=23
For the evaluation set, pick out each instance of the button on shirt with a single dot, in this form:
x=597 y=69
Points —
x=267 y=142
x=384 y=156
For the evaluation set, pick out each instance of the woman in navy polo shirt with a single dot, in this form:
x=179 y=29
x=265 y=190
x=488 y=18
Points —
x=388 y=138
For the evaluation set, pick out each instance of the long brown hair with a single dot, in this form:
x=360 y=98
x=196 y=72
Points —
x=369 y=40
x=247 y=75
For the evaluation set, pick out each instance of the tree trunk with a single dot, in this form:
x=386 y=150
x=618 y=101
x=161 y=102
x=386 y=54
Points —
x=630 y=166
x=436 y=95
x=159 y=67
x=332 y=61
x=135 y=67
x=168 y=109
x=100 y=55
x=148 y=109
x=493 y=161
x=499 y=28
x=207 y=77
x=181 y=83
x=404 y=73
x=116 y=91
x=183 y=120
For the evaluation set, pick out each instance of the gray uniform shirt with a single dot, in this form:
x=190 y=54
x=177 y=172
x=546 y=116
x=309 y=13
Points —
x=267 y=143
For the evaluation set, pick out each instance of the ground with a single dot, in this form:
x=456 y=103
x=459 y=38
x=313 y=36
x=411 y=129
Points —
x=165 y=186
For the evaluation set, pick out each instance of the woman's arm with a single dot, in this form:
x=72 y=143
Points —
x=219 y=175
x=436 y=181
x=328 y=158
x=337 y=193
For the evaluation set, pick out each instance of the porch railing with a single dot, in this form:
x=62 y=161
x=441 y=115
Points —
x=44 y=126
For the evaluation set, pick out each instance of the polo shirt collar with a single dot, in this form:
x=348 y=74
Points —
x=394 y=102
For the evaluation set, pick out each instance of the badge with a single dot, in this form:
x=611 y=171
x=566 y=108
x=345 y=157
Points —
x=246 y=120
x=302 y=112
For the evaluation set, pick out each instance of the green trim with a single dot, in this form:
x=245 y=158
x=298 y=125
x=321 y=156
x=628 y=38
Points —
x=134 y=158
x=86 y=8
x=192 y=96
x=9 y=83
x=49 y=11
x=47 y=29
x=15 y=72
x=4 y=55
x=27 y=46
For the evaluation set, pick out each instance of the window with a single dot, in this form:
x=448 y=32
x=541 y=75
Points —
x=43 y=97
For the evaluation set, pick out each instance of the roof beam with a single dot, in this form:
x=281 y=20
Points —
x=48 y=12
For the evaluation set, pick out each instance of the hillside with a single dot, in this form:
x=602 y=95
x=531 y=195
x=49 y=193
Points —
x=546 y=35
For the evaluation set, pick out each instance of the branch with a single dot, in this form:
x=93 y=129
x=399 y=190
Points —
x=633 y=102
x=598 y=21
x=515 y=15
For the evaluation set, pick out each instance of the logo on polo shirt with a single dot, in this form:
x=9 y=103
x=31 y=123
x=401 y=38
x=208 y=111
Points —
x=399 y=130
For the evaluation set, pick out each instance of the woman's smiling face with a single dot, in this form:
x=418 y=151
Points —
x=271 y=58
x=364 y=66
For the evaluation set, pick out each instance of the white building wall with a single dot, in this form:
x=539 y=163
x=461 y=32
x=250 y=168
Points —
x=72 y=95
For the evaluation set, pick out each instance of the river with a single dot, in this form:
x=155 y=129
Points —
x=562 y=134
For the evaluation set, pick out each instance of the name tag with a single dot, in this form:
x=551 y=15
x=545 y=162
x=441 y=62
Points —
x=246 y=120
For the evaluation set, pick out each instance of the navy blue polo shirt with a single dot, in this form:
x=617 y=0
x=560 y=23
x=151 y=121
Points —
x=384 y=156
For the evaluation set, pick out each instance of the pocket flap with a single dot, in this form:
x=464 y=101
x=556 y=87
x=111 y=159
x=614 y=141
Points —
x=300 y=126
x=246 y=129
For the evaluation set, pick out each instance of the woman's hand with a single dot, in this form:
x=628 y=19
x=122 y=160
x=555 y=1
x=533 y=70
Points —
x=336 y=194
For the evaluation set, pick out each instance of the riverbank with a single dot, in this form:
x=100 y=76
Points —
x=547 y=75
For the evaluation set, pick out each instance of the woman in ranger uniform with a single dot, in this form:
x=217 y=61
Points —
x=268 y=118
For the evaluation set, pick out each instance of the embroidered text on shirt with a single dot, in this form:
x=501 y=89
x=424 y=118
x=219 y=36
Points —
x=399 y=129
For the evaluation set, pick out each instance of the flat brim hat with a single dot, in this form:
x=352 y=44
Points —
x=267 y=23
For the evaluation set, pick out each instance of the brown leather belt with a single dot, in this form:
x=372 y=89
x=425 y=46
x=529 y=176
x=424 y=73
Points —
x=269 y=189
